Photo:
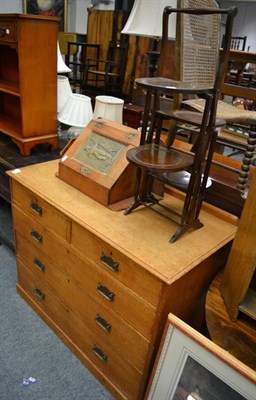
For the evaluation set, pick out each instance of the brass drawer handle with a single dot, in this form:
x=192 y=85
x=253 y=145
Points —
x=36 y=208
x=109 y=262
x=37 y=263
x=99 y=353
x=103 y=323
x=39 y=294
x=105 y=292
x=36 y=236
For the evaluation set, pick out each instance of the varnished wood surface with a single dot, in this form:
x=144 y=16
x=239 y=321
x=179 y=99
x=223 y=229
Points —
x=152 y=246
x=69 y=233
x=238 y=338
x=30 y=16
x=108 y=185
x=241 y=264
x=171 y=86
x=242 y=56
x=28 y=80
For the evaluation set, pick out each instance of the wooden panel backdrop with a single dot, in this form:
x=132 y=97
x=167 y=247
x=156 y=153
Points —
x=106 y=25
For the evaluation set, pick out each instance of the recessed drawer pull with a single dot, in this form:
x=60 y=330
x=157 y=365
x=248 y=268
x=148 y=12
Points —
x=36 y=208
x=99 y=353
x=103 y=323
x=109 y=262
x=35 y=235
x=105 y=292
x=4 y=31
x=38 y=264
x=39 y=294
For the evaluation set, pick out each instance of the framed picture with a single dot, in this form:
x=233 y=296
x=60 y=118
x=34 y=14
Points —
x=191 y=367
x=50 y=8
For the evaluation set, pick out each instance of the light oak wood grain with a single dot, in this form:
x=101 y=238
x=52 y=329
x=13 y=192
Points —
x=153 y=278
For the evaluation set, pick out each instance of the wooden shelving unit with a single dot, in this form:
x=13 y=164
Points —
x=28 y=80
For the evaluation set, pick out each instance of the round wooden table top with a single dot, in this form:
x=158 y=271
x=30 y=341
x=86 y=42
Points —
x=239 y=337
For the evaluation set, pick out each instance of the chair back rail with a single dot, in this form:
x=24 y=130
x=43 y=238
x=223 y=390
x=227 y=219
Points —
x=244 y=92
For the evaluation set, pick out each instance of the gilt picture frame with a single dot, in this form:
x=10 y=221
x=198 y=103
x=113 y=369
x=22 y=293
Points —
x=190 y=366
x=54 y=8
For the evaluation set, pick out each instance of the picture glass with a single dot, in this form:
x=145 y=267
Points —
x=198 y=383
x=192 y=367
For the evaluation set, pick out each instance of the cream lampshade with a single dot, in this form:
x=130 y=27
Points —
x=109 y=107
x=145 y=19
x=64 y=91
x=76 y=112
x=62 y=68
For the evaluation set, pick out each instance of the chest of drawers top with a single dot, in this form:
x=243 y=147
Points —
x=10 y=23
x=106 y=281
x=143 y=236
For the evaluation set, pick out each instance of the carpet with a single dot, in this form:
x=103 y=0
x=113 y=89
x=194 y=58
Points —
x=29 y=348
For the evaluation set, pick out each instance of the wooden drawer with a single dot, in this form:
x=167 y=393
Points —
x=97 y=283
x=41 y=211
x=107 y=326
x=93 y=347
x=117 y=264
x=8 y=30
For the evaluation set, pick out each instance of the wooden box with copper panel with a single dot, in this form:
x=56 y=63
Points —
x=95 y=163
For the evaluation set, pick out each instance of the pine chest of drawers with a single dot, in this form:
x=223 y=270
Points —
x=105 y=282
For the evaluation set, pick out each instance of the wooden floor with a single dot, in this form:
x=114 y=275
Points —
x=238 y=338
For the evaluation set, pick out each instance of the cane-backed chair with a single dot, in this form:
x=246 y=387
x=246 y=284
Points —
x=234 y=116
x=186 y=70
x=240 y=119
x=238 y=42
x=155 y=162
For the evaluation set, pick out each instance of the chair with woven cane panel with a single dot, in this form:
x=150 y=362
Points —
x=244 y=118
x=156 y=162
x=190 y=68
